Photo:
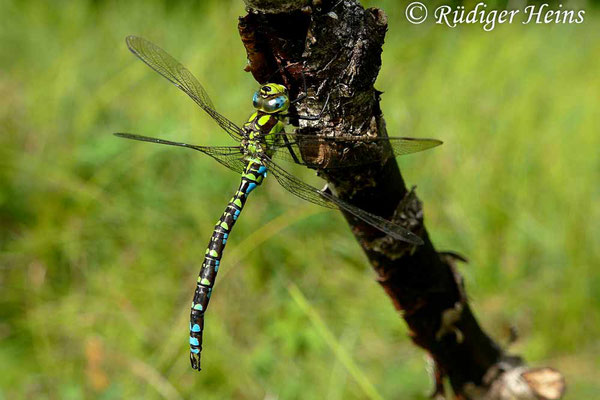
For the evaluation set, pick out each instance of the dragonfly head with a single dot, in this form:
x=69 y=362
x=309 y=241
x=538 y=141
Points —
x=271 y=98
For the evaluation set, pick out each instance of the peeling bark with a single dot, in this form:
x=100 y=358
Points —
x=336 y=47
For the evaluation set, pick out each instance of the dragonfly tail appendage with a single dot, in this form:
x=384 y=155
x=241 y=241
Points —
x=252 y=177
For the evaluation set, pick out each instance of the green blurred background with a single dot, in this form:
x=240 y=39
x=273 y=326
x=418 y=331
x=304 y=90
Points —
x=102 y=238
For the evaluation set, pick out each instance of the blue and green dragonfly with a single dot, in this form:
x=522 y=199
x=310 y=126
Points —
x=261 y=140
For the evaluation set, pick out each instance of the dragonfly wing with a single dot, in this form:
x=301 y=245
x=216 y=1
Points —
x=407 y=145
x=337 y=152
x=316 y=196
x=230 y=156
x=163 y=63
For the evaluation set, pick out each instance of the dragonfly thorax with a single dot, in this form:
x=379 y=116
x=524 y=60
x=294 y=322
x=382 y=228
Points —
x=261 y=133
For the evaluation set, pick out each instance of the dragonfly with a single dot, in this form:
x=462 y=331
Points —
x=261 y=142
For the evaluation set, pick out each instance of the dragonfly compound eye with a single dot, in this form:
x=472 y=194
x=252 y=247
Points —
x=276 y=104
x=256 y=100
x=272 y=105
x=281 y=101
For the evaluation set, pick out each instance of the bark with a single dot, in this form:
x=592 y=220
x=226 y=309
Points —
x=335 y=46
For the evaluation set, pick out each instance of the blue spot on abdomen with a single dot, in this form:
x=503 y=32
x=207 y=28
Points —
x=251 y=187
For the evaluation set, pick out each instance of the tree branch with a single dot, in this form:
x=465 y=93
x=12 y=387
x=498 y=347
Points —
x=336 y=46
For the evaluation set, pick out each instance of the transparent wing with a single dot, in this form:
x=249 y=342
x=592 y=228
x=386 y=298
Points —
x=316 y=196
x=230 y=156
x=160 y=61
x=337 y=152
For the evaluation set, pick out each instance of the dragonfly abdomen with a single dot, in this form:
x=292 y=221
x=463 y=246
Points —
x=251 y=178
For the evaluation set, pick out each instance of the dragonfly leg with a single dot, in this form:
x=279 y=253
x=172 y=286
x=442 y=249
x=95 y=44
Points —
x=288 y=145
